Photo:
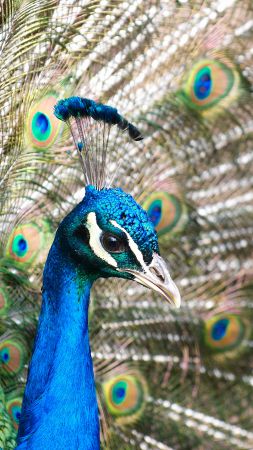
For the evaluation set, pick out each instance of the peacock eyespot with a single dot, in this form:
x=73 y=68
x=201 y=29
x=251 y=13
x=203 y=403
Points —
x=155 y=214
x=125 y=397
x=14 y=410
x=12 y=357
x=19 y=245
x=112 y=243
x=42 y=126
x=219 y=329
x=5 y=356
x=225 y=332
x=119 y=391
x=16 y=413
x=212 y=85
x=203 y=83
x=167 y=212
x=28 y=242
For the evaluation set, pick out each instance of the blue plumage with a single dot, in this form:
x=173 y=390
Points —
x=60 y=408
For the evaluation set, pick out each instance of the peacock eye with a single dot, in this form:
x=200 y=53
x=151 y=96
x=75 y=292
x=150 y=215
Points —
x=112 y=243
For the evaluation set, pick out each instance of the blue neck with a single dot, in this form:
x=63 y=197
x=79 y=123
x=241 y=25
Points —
x=60 y=407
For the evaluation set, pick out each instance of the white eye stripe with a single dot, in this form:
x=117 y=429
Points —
x=133 y=246
x=94 y=241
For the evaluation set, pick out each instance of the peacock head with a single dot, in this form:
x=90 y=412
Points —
x=108 y=234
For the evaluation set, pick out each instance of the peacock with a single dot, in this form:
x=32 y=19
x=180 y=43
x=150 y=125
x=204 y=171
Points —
x=106 y=235
x=181 y=72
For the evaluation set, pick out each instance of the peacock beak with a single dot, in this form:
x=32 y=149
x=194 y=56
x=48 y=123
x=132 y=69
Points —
x=156 y=276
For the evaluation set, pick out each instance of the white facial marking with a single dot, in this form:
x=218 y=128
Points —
x=133 y=246
x=95 y=233
x=156 y=276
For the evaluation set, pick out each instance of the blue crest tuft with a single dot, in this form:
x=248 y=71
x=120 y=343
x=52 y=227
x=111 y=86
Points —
x=80 y=113
x=78 y=107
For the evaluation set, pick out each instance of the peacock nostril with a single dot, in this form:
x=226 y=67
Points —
x=157 y=273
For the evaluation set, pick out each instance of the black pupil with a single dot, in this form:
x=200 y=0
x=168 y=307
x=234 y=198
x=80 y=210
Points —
x=112 y=243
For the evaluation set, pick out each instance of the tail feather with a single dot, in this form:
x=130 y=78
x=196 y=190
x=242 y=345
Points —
x=183 y=73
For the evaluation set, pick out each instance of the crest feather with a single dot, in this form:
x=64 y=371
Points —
x=90 y=125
